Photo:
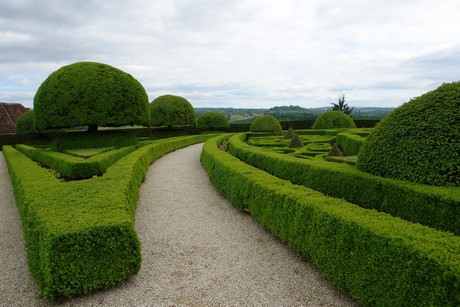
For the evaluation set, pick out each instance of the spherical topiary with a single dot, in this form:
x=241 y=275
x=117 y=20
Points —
x=212 y=120
x=25 y=123
x=92 y=94
x=265 y=123
x=333 y=119
x=170 y=110
x=418 y=141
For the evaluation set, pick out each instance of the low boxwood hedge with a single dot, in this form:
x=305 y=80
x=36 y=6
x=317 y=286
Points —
x=380 y=260
x=108 y=138
x=437 y=207
x=350 y=142
x=75 y=168
x=80 y=235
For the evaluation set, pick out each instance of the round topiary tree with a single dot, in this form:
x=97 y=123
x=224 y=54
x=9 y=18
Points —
x=333 y=119
x=170 y=110
x=212 y=120
x=90 y=94
x=418 y=141
x=25 y=124
x=265 y=123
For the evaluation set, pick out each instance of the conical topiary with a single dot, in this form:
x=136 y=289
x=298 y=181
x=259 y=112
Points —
x=296 y=142
x=335 y=151
x=290 y=133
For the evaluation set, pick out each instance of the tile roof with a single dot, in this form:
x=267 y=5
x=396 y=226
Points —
x=9 y=112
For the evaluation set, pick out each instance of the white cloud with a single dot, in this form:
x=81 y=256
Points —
x=239 y=53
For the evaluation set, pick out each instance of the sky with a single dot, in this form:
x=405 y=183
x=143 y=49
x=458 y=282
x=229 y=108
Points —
x=239 y=53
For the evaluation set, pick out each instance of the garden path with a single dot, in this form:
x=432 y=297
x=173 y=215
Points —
x=197 y=250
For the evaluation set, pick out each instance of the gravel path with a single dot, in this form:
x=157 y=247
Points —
x=198 y=250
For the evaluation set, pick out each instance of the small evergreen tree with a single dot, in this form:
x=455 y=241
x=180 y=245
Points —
x=296 y=142
x=290 y=133
x=341 y=106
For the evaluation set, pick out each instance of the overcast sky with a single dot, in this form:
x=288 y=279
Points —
x=241 y=53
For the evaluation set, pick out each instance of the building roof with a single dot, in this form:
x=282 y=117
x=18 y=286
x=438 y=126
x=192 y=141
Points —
x=9 y=113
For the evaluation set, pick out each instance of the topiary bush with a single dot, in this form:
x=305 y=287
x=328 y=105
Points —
x=265 y=123
x=212 y=120
x=296 y=142
x=25 y=124
x=418 y=141
x=333 y=119
x=290 y=133
x=170 y=110
x=90 y=94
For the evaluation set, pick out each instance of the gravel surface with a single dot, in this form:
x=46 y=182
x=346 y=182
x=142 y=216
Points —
x=198 y=250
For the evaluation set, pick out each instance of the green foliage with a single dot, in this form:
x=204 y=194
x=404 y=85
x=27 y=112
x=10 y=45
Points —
x=80 y=235
x=265 y=123
x=290 y=133
x=296 y=142
x=351 y=143
x=333 y=119
x=341 y=106
x=75 y=168
x=72 y=140
x=418 y=141
x=378 y=259
x=436 y=207
x=335 y=151
x=88 y=93
x=212 y=120
x=170 y=110
x=25 y=124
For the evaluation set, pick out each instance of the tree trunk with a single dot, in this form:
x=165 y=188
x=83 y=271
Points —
x=92 y=128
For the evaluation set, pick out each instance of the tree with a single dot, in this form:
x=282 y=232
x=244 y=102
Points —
x=170 y=110
x=90 y=94
x=212 y=120
x=341 y=106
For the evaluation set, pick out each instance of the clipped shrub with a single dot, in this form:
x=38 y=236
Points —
x=170 y=110
x=296 y=142
x=351 y=143
x=80 y=235
x=212 y=120
x=418 y=141
x=25 y=124
x=428 y=205
x=96 y=139
x=265 y=123
x=290 y=133
x=333 y=119
x=378 y=259
x=90 y=94
x=335 y=151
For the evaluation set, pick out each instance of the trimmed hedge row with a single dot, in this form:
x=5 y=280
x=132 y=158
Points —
x=80 y=235
x=350 y=142
x=380 y=260
x=109 y=138
x=75 y=168
x=437 y=207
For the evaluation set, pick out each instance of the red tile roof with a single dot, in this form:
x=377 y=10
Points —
x=9 y=112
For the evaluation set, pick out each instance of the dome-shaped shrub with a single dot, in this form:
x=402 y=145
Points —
x=265 y=123
x=92 y=94
x=170 y=110
x=418 y=141
x=212 y=120
x=25 y=123
x=333 y=119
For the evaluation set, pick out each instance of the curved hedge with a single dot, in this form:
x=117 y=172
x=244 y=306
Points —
x=265 y=123
x=333 y=119
x=378 y=259
x=170 y=110
x=80 y=235
x=90 y=94
x=436 y=207
x=212 y=120
x=418 y=141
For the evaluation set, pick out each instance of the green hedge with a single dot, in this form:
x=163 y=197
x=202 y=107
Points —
x=109 y=138
x=75 y=168
x=380 y=260
x=351 y=143
x=437 y=207
x=80 y=235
